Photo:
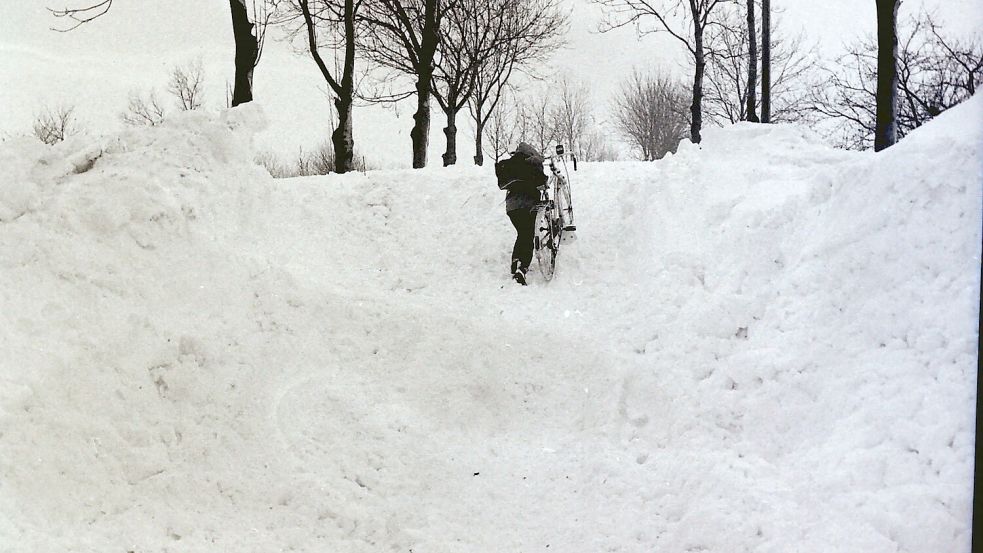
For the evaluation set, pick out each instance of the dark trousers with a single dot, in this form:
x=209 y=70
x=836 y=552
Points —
x=524 y=222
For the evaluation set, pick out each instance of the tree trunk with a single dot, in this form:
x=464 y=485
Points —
x=341 y=138
x=479 y=155
x=479 y=133
x=886 y=131
x=696 y=109
x=450 y=131
x=420 y=134
x=752 y=71
x=246 y=52
x=429 y=40
x=766 y=61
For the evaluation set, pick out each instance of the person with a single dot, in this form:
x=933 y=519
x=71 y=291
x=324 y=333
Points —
x=522 y=175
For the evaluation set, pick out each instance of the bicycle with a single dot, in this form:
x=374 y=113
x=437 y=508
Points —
x=554 y=214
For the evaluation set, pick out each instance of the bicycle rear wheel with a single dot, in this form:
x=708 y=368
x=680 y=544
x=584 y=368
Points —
x=545 y=241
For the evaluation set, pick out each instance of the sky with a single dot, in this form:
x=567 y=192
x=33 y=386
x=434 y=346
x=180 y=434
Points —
x=96 y=66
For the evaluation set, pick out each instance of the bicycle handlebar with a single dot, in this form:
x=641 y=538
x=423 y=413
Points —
x=562 y=157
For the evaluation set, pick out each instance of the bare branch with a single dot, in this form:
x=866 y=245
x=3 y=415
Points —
x=55 y=125
x=672 y=16
x=935 y=72
x=187 y=85
x=527 y=32
x=81 y=16
x=727 y=74
x=650 y=112
x=143 y=110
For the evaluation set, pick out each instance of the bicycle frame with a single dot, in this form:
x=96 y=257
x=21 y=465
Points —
x=560 y=184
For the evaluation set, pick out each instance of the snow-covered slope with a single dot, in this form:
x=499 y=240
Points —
x=761 y=344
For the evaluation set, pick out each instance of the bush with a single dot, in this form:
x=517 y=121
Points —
x=317 y=161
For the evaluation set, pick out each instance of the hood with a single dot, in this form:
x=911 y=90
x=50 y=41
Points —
x=526 y=150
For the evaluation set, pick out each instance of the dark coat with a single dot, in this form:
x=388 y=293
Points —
x=521 y=175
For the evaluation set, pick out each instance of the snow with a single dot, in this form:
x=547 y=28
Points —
x=758 y=344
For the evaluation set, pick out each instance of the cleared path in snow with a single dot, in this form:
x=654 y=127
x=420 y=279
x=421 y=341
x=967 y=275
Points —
x=204 y=359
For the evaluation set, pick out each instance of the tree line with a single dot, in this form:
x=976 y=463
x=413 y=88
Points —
x=883 y=87
x=465 y=55
x=928 y=71
x=461 y=53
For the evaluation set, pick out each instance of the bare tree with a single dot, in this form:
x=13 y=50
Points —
x=935 y=72
x=52 y=126
x=650 y=113
x=558 y=113
x=766 y=61
x=535 y=121
x=671 y=16
x=143 y=110
x=727 y=87
x=403 y=35
x=847 y=94
x=502 y=130
x=571 y=115
x=528 y=32
x=752 y=65
x=886 y=129
x=595 y=146
x=187 y=85
x=337 y=26
x=470 y=35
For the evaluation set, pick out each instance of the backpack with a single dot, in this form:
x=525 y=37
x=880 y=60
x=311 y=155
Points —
x=519 y=173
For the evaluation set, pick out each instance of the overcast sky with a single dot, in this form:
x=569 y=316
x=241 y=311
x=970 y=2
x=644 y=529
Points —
x=96 y=66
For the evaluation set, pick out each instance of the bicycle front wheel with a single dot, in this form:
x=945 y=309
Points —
x=565 y=204
x=545 y=241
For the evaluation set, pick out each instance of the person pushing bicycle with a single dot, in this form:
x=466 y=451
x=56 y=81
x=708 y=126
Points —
x=523 y=176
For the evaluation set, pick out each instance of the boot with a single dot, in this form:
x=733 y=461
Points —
x=518 y=272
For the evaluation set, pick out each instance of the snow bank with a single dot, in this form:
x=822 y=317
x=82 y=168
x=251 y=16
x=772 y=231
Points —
x=758 y=344
x=826 y=341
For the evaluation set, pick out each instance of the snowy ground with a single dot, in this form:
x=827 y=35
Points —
x=760 y=345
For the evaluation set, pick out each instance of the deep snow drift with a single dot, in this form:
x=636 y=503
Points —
x=761 y=344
